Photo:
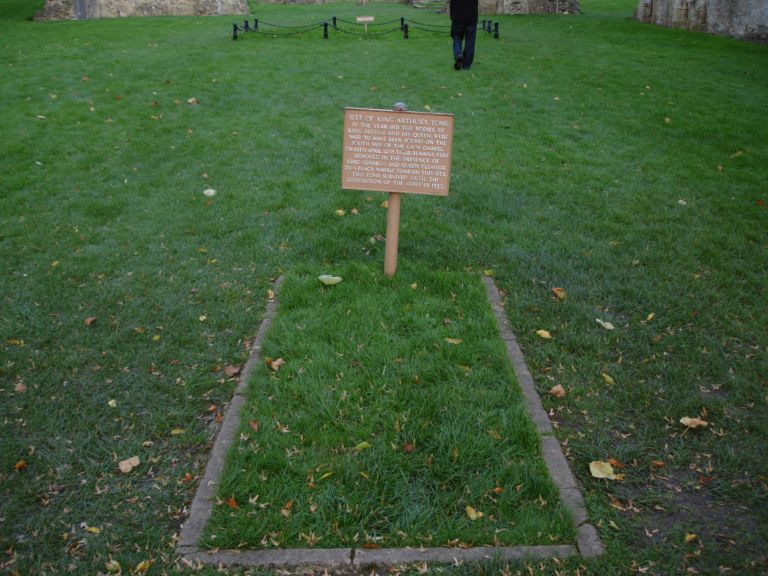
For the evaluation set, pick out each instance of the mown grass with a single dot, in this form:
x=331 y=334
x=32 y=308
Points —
x=622 y=162
x=395 y=410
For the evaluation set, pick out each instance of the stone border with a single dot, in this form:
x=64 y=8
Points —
x=588 y=542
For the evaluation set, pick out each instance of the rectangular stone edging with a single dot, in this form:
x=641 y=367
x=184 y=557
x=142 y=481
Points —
x=588 y=541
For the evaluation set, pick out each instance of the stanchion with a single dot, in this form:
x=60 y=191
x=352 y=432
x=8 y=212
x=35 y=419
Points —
x=405 y=31
x=234 y=31
x=325 y=30
x=496 y=30
x=334 y=22
x=255 y=24
x=402 y=22
x=246 y=26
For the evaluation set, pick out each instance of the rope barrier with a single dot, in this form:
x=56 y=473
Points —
x=487 y=26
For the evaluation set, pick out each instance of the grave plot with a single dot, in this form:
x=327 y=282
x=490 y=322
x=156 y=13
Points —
x=384 y=413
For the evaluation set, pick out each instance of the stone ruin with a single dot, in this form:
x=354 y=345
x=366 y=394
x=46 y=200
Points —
x=746 y=19
x=86 y=9
x=529 y=6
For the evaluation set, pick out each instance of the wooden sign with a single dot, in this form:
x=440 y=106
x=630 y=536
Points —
x=391 y=151
x=364 y=19
x=397 y=152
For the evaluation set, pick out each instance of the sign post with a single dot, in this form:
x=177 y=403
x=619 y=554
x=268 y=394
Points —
x=397 y=152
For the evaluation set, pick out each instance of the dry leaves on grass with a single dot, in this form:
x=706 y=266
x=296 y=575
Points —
x=128 y=464
x=693 y=422
x=544 y=334
x=274 y=365
x=557 y=391
x=473 y=514
x=600 y=469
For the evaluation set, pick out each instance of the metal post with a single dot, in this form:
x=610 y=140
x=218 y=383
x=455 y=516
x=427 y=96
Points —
x=246 y=26
x=405 y=31
x=255 y=24
x=402 y=23
x=334 y=22
x=496 y=30
x=325 y=30
x=234 y=31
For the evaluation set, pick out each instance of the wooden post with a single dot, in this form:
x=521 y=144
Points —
x=393 y=233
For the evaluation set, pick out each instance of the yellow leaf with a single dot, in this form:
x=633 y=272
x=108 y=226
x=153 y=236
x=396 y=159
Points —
x=454 y=340
x=495 y=435
x=608 y=379
x=544 y=334
x=650 y=316
x=328 y=280
x=112 y=403
x=270 y=295
x=557 y=391
x=600 y=469
x=156 y=337
x=93 y=529
x=177 y=431
x=340 y=212
x=693 y=422
x=362 y=446
x=558 y=293
x=113 y=566
x=690 y=537
x=384 y=204
x=474 y=514
x=142 y=567
x=604 y=324
x=488 y=273
x=326 y=475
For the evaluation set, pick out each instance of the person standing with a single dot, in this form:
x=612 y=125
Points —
x=463 y=30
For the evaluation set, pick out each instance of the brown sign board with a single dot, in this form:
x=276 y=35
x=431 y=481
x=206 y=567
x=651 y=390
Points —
x=397 y=151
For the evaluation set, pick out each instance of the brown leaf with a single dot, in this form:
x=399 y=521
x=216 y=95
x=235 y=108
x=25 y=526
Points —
x=693 y=422
x=658 y=464
x=615 y=463
x=20 y=387
x=129 y=464
x=20 y=465
x=89 y=321
x=557 y=391
x=254 y=425
x=495 y=435
x=558 y=293
x=275 y=364
x=285 y=511
x=232 y=370
x=232 y=503
x=408 y=448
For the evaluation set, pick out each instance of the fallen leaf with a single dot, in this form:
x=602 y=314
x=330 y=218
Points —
x=608 y=379
x=557 y=391
x=454 y=340
x=340 y=212
x=658 y=464
x=544 y=334
x=615 y=463
x=285 y=511
x=142 y=567
x=693 y=422
x=89 y=321
x=498 y=490
x=156 y=338
x=15 y=342
x=93 y=530
x=270 y=295
x=384 y=204
x=231 y=370
x=192 y=101
x=558 y=293
x=232 y=503
x=20 y=465
x=129 y=464
x=203 y=318
x=408 y=448
x=210 y=192
x=488 y=273
x=600 y=469
x=362 y=446
x=604 y=324
x=275 y=364
x=650 y=316
x=326 y=475
x=112 y=403
x=20 y=387
x=690 y=537
x=254 y=425
x=495 y=435
x=113 y=567
x=473 y=514
x=329 y=280
x=177 y=431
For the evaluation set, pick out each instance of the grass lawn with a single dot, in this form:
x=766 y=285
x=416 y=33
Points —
x=395 y=421
x=624 y=163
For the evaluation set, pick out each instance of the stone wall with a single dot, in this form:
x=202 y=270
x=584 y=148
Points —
x=85 y=9
x=536 y=7
x=747 y=19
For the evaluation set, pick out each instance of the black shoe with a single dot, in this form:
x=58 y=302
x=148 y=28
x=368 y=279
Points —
x=457 y=63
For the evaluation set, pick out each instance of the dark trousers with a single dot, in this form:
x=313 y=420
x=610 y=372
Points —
x=464 y=32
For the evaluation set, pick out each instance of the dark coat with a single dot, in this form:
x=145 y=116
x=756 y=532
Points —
x=463 y=10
